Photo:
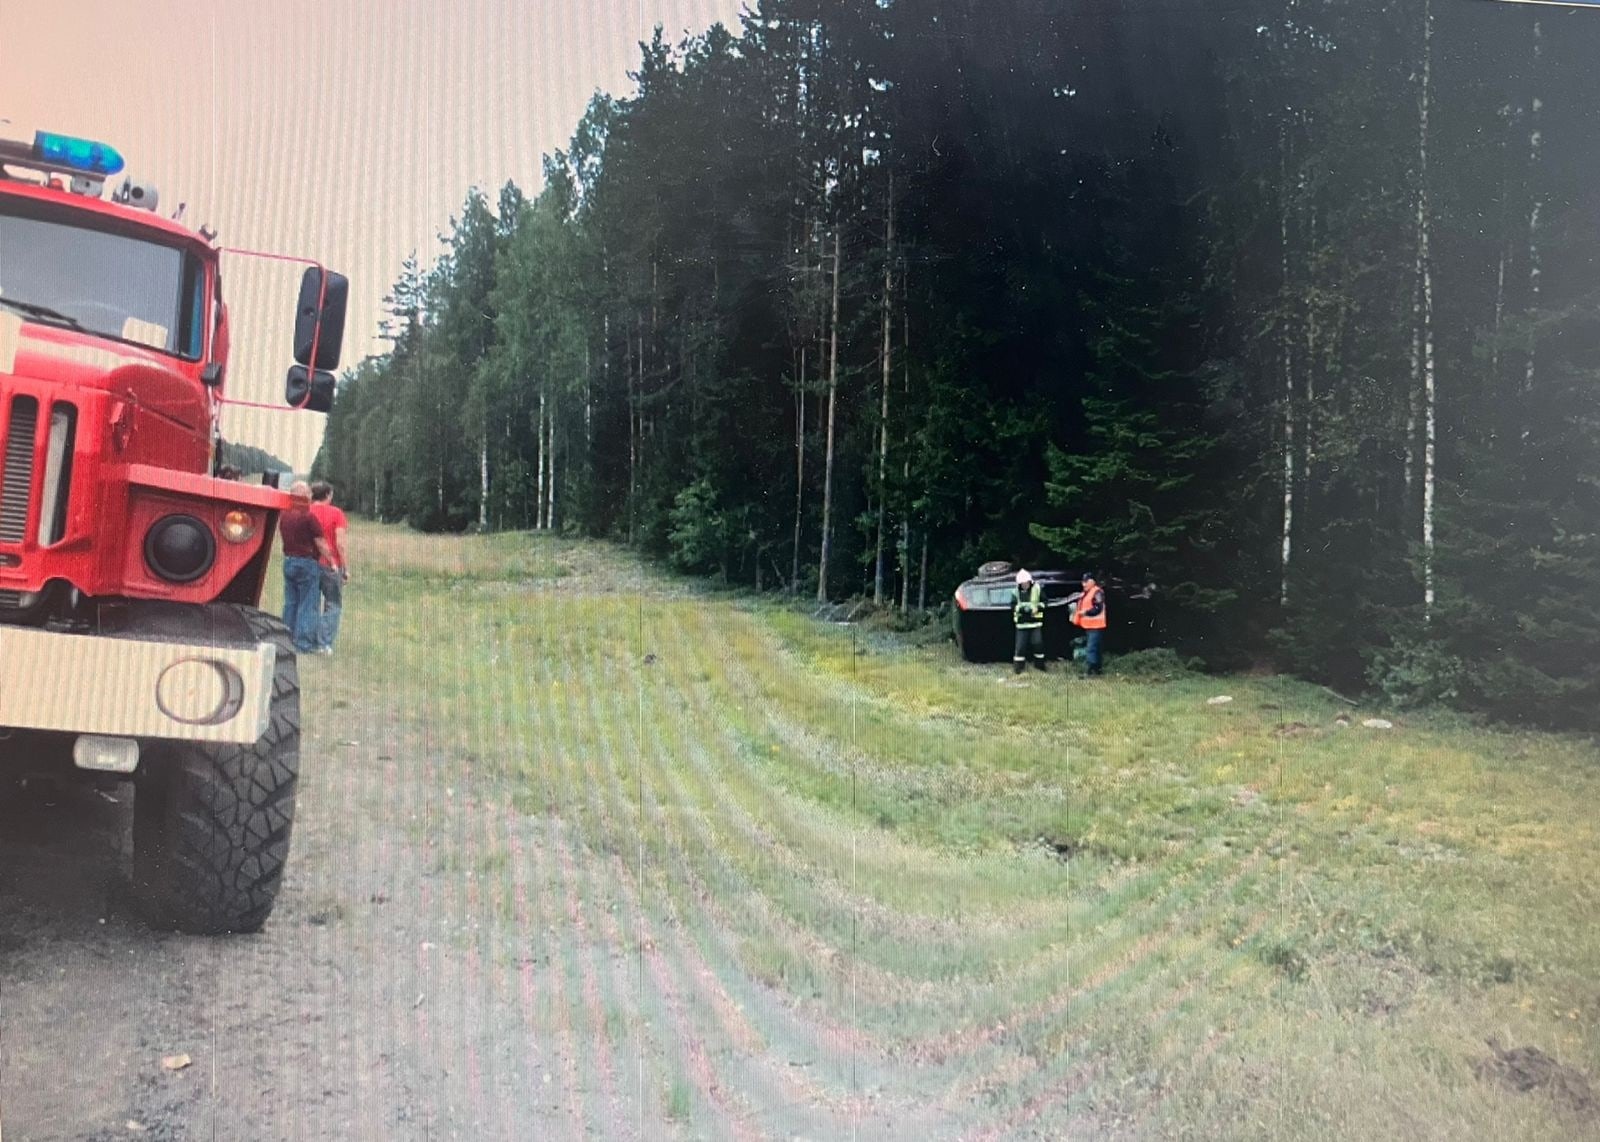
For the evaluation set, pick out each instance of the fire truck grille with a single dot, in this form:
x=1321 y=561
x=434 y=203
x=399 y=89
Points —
x=16 y=477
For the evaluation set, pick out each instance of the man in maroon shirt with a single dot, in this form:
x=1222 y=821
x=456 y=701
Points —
x=335 y=570
x=303 y=546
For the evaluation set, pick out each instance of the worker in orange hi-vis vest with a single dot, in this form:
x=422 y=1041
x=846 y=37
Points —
x=1089 y=613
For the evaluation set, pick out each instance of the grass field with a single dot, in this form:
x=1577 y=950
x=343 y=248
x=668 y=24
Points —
x=765 y=877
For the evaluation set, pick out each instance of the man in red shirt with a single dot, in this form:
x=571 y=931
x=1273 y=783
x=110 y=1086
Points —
x=335 y=571
x=303 y=546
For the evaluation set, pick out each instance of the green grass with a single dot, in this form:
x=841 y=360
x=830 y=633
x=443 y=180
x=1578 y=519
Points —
x=791 y=841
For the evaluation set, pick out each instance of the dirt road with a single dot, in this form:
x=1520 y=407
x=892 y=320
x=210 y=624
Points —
x=350 y=1016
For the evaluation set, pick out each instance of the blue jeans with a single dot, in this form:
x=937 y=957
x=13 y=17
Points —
x=332 y=584
x=300 y=577
x=1091 y=653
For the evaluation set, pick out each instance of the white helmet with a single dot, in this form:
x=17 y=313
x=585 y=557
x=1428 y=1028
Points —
x=1023 y=577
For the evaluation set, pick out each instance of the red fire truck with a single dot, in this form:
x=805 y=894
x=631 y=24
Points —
x=131 y=572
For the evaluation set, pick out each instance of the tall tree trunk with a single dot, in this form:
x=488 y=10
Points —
x=1414 y=396
x=1429 y=395
x=633 y=442
x=483 y=479
x=922 y=579
x=1309 y=368
x=538 y=495
x=799 y=467
x=550 y=471
x=905 y=466
x=1287 y=546
x=833 y=401
x=1535 y=144
x=883 y=411
x=588 y=403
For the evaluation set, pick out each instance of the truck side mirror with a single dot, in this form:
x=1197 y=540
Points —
x=319 y=383
x=324 y=324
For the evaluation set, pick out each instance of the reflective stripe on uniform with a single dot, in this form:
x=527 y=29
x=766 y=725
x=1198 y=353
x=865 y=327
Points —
x=1033 y=605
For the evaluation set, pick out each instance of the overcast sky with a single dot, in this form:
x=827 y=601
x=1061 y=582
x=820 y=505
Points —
x=348 y=132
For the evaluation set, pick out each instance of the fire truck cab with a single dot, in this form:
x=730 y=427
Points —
x=131 y=639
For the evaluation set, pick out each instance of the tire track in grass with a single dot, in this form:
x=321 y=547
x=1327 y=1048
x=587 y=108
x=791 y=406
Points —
x=470 y=811
x=493 y=816
x=687 y=741
x=709 y=989
x=819 y=676
x=506 y=825
x=504 y=746
x=598 y=1038
x=426 y=1048
x=773 y=690
x=1224 y=886
x=1147 y=944
x=1233 y=975
x=692 y=970
x=500 y=984
x=386 y=983
x=722 y=776
x=668 y=980
x=1232 y=978
x=1213 y=1043
x=1152 y=984
x=1045 y=1008
x=557 y=966
x=1045 y=957
x=596 y=771
x=820 y=755
x=1079 y=1078
x=452 y=1001
x=685 y=858
x=557 y=948
x=490 y=910
x=730 y=1013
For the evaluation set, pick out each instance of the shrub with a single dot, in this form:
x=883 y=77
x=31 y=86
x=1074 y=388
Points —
x=1158 y=664
x=1415 y=671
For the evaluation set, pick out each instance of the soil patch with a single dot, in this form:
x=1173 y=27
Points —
x=1526 y=1069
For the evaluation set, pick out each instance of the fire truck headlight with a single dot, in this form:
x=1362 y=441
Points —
x=200 y=692
x=179 y=548
x=238 y=527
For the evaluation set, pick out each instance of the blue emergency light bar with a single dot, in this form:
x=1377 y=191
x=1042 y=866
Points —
x=68 y=153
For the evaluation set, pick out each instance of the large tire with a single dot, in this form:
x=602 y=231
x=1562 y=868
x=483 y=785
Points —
x=211 y=821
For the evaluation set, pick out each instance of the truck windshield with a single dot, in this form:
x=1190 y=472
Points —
x=109 y=284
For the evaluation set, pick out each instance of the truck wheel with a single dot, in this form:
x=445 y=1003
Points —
x=211 y=820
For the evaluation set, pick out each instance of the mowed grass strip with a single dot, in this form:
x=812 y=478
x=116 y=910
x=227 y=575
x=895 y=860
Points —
x=841 y=849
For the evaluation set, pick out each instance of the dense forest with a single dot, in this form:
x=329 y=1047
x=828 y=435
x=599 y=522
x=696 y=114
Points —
x=1287 y=307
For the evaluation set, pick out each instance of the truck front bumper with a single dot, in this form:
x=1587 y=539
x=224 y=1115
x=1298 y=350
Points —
x=135 y=688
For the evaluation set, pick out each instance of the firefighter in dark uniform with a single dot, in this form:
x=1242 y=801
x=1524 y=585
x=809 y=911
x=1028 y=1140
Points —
x=1089 y=614
x=1027 y=612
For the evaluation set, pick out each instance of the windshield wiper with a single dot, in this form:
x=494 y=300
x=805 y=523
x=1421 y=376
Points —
x=43 y=313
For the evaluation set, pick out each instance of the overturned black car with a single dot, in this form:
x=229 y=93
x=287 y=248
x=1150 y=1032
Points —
x=982 y=616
